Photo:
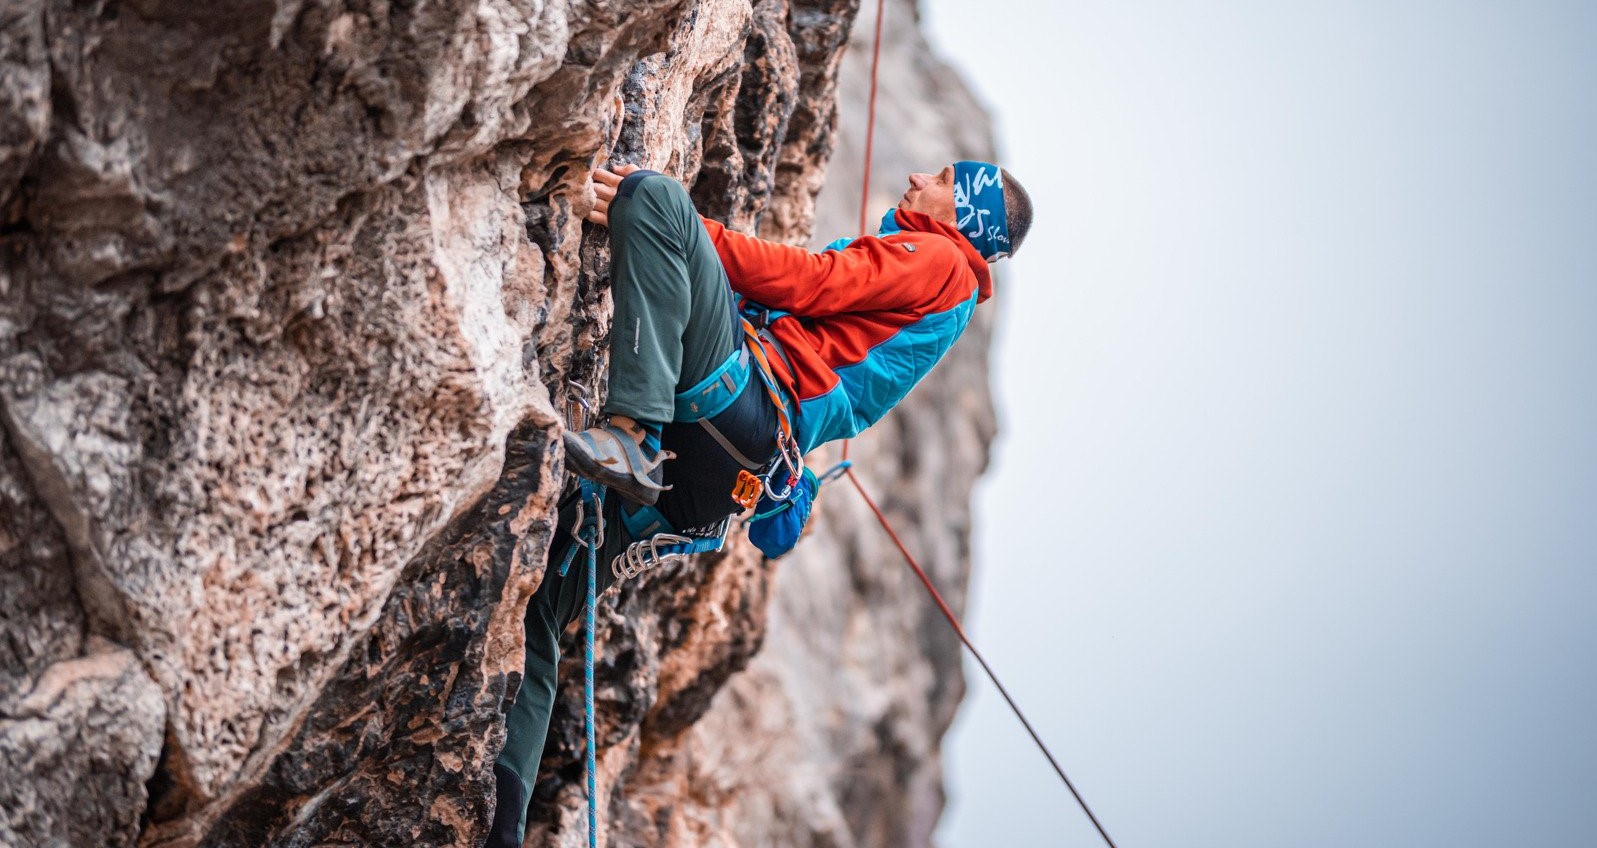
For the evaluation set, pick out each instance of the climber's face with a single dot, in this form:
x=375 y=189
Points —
x=931 y=195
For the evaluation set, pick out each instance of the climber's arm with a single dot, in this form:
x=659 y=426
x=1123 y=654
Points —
x=871 y=274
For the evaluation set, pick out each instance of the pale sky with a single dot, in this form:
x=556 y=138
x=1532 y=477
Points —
x=1290 y=535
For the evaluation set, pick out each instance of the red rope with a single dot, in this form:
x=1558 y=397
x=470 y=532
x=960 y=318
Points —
x=870 y=132
x=991 y=675
x=953 y=620
x=909 y=558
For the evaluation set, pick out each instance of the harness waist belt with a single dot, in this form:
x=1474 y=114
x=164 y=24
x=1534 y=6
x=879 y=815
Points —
x=712 y=395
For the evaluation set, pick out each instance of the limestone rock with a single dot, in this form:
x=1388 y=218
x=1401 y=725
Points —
x=80 y=716
x=294 y=300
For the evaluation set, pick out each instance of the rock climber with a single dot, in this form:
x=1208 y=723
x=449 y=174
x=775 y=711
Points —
x=731 y=357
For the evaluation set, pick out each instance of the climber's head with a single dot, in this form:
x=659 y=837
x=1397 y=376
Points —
x=983 y=200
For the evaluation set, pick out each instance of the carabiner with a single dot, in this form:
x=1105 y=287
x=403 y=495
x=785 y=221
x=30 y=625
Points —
x=788 y=454
x=835 y=472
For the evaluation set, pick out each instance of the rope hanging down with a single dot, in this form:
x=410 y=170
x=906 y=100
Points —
x=870 y=122
x=847 y=469
x=991 y=675
x=590 y=625
x=588 y=530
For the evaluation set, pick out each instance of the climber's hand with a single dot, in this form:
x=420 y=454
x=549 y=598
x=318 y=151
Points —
x=604 y=191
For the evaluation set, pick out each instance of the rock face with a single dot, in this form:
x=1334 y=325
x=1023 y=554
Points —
x=293 y=301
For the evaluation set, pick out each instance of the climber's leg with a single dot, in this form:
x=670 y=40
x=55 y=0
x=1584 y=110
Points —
x=527 y=723
x=673 y=326
x=673 y=309
x=556 y=603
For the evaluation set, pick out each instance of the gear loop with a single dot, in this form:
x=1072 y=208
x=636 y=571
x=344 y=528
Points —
x=645 y=554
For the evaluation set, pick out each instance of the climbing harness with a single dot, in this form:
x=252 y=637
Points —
x=845 y=468
x=788 y=453
x=588 y=530
x=789 y=460
x=717 y=392
x=776 y=479
x=712 y=395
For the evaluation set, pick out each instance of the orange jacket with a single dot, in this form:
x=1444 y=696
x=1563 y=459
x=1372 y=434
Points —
x=865 y=323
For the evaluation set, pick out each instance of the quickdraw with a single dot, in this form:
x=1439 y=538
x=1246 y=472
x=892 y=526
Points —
x=585 y=523
x=835 y=472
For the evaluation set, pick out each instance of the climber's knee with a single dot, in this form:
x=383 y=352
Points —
x=653 y=196
x=629 y=184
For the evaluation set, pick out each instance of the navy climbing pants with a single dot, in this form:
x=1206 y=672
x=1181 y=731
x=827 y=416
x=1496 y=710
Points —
x=673 y=327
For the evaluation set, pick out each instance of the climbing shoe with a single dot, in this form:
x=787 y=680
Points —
x=608 y=456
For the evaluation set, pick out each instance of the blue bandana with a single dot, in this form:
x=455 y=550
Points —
x=979 y=207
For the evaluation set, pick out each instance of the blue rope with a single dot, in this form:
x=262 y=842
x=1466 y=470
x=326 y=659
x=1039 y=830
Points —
x=571 y=554
x=587 y=670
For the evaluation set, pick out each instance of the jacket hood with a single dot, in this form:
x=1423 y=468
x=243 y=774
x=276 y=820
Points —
x=920 y=222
